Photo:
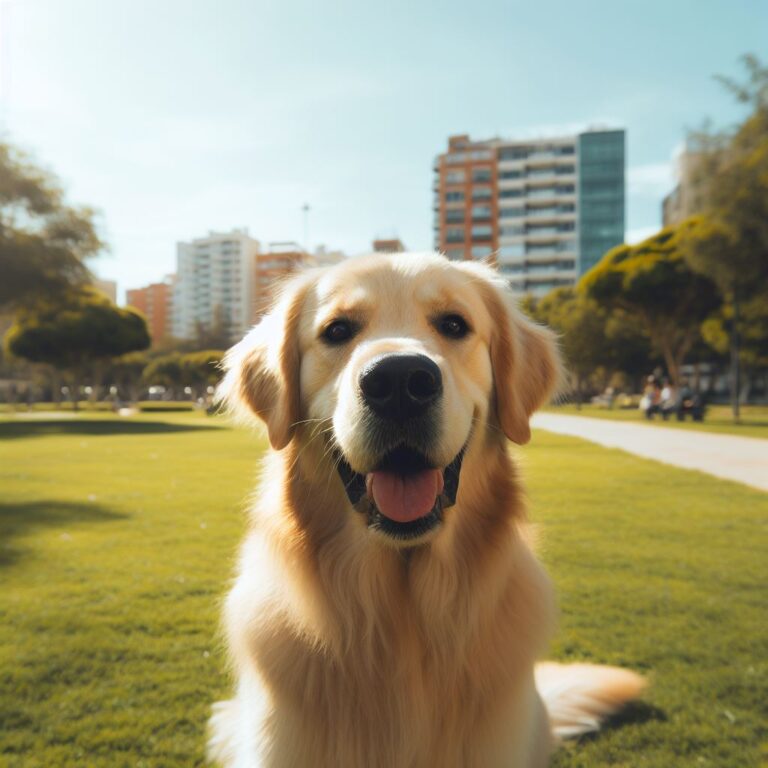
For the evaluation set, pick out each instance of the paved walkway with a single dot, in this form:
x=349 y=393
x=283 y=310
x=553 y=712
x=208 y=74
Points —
x=743 y=459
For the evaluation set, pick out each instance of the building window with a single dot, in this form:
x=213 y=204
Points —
x=511 y=174
x=454 y=234
x=540 y=247
x=513 y=153
x=481 y=212
x=455 y=254
x=511 y=193
x=512 y=230
x=454 y=197
x=480 y=175
x=455 y=177
x=481 y=251
x=454 y=215
x=516 y=249
x=510 y=213
x=482 y=232
x=481 y=193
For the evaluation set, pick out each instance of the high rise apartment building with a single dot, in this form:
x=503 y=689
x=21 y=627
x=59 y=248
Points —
x=215 y=283
x=154 y=302
x=543 y=210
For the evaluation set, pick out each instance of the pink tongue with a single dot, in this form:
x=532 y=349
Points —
x=404 y=498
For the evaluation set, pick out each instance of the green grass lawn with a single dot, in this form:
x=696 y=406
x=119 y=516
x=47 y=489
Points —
x=754 y=418
x=117 y=541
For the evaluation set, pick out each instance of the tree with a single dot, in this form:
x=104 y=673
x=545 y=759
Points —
x=652 y=281
x=43 y=241
x=581 y=325
x=126 y=372
x=201 y=369
x=165 y=371
x=728 y=241
x=217 y=335
x=76 y=331
x=196 y=370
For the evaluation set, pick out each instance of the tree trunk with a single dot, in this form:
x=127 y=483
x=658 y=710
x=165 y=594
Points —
x=735 y=367
x=56 y=387
x=76 y=390
x=673 y=363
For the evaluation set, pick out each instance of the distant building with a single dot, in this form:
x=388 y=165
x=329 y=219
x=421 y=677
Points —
x=215 y=283
x=391 y=245
x=544 y=210
x=108 y=288
x=154 y=301
x=322 y=257
x=683 y=200
x=272 y=267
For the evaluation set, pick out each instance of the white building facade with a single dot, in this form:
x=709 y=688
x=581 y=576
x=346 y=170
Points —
x=215 y=282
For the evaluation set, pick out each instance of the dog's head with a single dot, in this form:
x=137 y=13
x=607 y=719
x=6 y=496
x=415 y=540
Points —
x=397 y=364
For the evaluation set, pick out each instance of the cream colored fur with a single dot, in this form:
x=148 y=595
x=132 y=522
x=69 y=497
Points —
x=348 y=650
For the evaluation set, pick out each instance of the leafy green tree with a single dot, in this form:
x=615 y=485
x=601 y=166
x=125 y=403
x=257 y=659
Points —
x=653 y=283
x=75 y=332
x=43 y=241
x=581 y=325
x=196 y=370
x=201 y=369
x=728 y=241
x=165 y=371
x=126 y=373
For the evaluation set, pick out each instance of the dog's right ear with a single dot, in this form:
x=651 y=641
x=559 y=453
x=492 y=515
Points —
x=262 y=371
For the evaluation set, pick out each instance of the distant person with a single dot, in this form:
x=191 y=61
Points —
x=668 y=400
x=689 y=402
x=651 y=399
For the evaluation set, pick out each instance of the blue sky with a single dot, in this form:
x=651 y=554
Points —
x=175 y=117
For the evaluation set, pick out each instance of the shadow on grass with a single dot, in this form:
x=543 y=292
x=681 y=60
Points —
x=635 y=713
x=17 y=519
x=94 y=427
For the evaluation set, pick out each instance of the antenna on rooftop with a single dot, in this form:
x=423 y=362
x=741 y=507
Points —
x=305 y=210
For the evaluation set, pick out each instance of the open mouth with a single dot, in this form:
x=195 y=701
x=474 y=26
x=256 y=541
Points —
x=405 y=495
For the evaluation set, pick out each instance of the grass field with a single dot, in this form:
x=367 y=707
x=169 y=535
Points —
x=754 y=418
x=117 y=540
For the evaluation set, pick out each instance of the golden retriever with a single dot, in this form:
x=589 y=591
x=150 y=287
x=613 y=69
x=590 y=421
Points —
x=388 y=610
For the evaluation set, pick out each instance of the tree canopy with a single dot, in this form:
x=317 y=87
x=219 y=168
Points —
x=43 y=241
x=654 y=283
x=70 y=333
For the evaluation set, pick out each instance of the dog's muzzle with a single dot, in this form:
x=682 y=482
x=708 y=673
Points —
x=397 y=497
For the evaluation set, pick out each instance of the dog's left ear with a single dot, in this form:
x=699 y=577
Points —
x=527 y=368
x=262 y=371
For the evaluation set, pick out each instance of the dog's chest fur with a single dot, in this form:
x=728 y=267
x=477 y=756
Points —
x=413 y=665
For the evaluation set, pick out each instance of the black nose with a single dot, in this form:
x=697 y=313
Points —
x=399 y=387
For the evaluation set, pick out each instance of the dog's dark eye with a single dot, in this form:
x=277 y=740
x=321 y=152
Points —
x=453 y=326
x=338 y=332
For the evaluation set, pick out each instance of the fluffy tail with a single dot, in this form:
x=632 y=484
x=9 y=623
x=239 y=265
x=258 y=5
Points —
x=579 y=696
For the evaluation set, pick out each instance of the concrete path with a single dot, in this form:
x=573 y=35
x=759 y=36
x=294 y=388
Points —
x=743 y=459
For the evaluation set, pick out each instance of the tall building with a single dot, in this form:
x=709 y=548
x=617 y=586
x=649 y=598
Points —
x=543 y=210
x=272 y=267
x=215 y=283
x=684 y=200
x=154 y=302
